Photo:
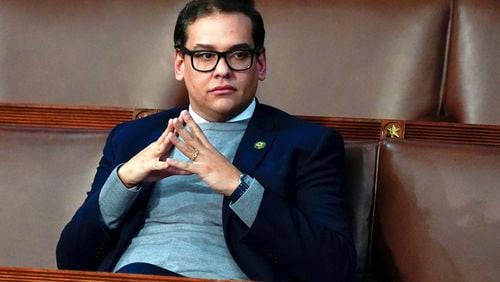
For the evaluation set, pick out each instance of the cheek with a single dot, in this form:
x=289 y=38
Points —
x=195 y=83
x=250 y=84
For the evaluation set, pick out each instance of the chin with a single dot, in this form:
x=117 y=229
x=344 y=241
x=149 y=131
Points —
x=226 y=105
x=228 y=111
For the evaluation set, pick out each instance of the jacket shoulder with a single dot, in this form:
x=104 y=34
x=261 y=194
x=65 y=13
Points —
x=154 y=121
x=130 y=137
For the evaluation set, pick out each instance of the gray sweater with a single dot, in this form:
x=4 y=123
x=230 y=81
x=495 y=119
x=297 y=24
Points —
x=183 y=225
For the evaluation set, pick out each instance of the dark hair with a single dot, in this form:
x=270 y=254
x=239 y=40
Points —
x=199 y=8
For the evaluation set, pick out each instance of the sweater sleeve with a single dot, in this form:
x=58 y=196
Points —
x=115 y=199
x=247 y=206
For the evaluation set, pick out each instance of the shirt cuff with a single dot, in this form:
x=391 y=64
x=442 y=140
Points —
x=115 y=199
x=247 y=206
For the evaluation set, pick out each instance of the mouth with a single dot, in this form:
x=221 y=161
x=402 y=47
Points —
x=223 y=90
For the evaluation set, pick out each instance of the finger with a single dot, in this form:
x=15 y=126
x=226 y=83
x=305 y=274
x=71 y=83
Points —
x=177 y=171
x=181 y=166
x=162 y=170
x=181 y=146
x=163 y=144
x=182 y=131
x=169 y=169
x=159 y=165
x=170 y=128
x=193 y=127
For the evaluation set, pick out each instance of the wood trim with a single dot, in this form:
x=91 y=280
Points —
x=63 y=117
x=105 y=118
x=350 y=128
x=453 y=132
x=8 y=273
x=376 y=129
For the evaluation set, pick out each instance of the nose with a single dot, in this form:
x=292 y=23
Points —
x=222 y=68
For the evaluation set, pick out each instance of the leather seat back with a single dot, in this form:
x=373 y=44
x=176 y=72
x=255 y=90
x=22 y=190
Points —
x=94 y=52
x=437 y=213
x=361 y=170
x=45 y=175
x=472 y=89
x=361 y=58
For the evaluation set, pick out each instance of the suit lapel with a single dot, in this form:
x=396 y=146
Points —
x=256 y=141
x=254 y=145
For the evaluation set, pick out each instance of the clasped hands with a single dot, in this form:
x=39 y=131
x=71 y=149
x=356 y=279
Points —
x=153 y=164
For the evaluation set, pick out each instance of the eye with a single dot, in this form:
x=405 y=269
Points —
x=240 y=55
x=206 y=56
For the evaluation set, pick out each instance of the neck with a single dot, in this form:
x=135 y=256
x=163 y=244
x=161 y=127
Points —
x=245 y=113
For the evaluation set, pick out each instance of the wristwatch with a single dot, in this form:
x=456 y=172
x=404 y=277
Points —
x=245 y=181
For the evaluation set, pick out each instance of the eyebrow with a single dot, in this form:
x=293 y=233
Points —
x=211 y=47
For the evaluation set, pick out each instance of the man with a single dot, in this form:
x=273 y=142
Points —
x=228 y=189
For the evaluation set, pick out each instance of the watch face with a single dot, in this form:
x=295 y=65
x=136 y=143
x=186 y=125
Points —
x=246 y=180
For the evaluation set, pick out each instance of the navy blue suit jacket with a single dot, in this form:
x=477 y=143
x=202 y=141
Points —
x=300 y=232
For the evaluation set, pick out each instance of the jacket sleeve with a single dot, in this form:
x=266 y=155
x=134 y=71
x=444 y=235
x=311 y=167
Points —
x=307 y=231
x=85 y=239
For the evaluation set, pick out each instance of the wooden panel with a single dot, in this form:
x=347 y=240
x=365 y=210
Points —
x=33 y=274
x=373 y=129
x=104 y=118
x=350 y=128
x=453 y=132
x=56 y=116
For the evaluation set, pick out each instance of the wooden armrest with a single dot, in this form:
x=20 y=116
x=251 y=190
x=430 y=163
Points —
x=8 y=273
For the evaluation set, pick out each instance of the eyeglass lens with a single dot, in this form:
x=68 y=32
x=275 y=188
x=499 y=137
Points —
x=237 y=60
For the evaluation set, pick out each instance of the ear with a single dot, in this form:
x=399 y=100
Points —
x=261 y=65
x=179 y=65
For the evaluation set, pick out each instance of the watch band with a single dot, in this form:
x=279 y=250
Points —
x=245 y=180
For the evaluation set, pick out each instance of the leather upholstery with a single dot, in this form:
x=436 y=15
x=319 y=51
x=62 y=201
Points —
x=362 y=58
x=48 y=173
x=361 y=170
x=108 y=53
x=45 y=175
x=472 y=94
x=437 y=212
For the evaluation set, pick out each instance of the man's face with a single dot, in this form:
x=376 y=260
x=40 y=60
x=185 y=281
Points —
x=222 y=93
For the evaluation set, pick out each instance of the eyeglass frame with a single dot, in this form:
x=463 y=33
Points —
x=253 y=52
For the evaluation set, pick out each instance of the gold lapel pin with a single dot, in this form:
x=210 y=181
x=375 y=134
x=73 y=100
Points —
x=259 y=145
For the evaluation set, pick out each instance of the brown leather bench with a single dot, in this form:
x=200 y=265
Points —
x=44 y=177
x=401 y=60
x=437 y=216
x=471 y=94
x=392 y=59
x=46 y=173
x=413 y=203
x=361 y=169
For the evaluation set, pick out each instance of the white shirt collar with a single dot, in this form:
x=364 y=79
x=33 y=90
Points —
x=246 y=114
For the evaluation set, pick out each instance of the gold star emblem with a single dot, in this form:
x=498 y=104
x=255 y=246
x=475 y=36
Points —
x=259 y=145
x=393 y=131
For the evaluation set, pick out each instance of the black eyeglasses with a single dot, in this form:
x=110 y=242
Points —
x=207 y=60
